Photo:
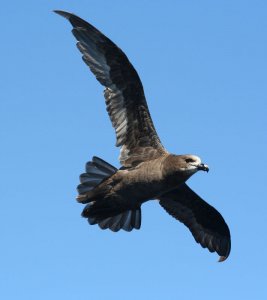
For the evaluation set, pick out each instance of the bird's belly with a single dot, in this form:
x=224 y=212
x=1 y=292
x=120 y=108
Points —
x=143 y=188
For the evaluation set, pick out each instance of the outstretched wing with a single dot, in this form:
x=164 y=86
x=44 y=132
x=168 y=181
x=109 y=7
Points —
x=124 y=94
x=204 y=221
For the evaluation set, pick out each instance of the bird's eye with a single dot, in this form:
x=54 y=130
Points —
x=189 y=160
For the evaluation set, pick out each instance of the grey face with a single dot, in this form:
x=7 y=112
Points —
x=192 y=164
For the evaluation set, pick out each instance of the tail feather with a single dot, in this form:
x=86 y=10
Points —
x=107 y=213
x=102 y=166
x=105 y=218
x=97 y=170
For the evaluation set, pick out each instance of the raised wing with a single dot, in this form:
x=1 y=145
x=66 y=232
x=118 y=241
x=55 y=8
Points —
x=204 y=221
x=124 y=94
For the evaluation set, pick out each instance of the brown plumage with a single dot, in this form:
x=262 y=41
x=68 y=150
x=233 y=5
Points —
x=113 y=197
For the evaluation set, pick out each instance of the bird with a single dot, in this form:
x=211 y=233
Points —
x=113 y=197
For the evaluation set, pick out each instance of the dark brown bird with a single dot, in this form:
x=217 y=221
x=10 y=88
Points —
x=114 y=196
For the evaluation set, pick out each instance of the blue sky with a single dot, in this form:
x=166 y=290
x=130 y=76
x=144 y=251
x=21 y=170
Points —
x=204 y=69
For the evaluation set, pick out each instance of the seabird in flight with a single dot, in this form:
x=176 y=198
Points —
x=113 y=197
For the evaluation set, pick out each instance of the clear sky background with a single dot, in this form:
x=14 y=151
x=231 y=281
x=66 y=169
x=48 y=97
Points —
x=203 y=65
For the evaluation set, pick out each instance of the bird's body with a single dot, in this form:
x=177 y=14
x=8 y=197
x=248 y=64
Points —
x=147 y=181
x=113 y=197
x=135 y=185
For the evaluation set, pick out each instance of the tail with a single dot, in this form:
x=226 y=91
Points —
x=105 y=212
x=107 y=217
x=97 y=171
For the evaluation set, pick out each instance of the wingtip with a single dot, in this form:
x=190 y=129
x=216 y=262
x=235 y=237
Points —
x=222 y=258
x=62 y=13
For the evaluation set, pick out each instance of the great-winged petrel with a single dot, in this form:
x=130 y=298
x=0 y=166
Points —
x=113 y=197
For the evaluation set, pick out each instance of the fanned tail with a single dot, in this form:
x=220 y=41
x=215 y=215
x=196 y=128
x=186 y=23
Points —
x=97 y=171
x=106 y=212
x=107 y=218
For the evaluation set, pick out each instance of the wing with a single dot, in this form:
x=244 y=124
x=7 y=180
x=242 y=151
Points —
x=124 y=94
x=205 y=222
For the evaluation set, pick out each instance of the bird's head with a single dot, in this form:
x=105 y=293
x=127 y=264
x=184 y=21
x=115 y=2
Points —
x=184 y=165
x=191 y=163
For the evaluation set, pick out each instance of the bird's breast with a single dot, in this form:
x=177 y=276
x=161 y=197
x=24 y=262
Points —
x=144 y=183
